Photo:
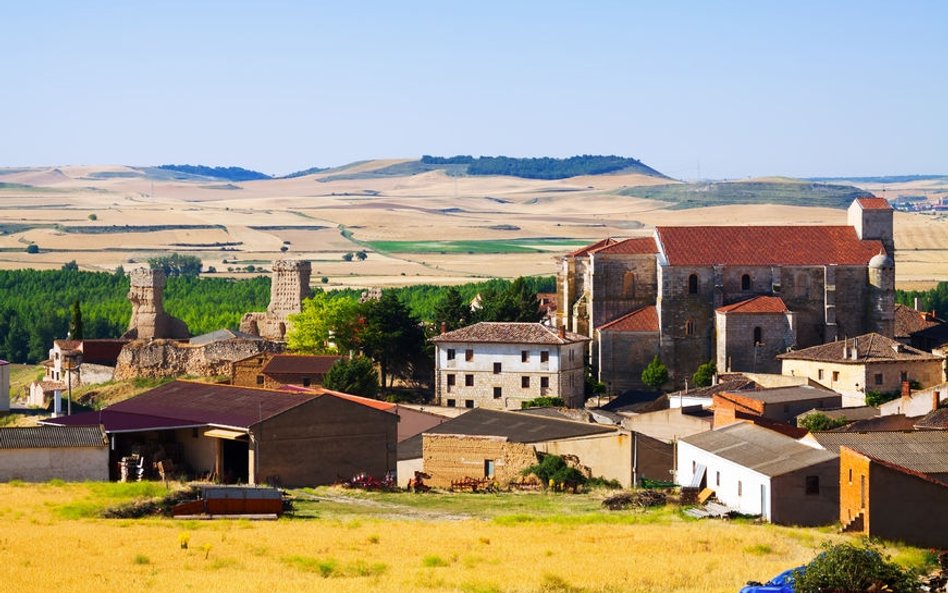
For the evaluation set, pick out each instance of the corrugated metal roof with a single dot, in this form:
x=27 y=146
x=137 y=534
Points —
x=921 y=451
x=779 y=395
x=52 y=437
x=759 y=449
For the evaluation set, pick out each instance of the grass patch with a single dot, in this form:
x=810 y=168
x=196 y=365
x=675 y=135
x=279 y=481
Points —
x=759 y=550
x=330 y=568
x=102 y=495
x=141 y=559
x=324 y=568
x=790 y=193
x=434 y=561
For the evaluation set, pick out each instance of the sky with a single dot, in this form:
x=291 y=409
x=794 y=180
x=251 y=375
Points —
x=698 y=89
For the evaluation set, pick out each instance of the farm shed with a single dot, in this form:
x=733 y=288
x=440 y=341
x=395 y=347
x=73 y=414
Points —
x=246 y=435
x=42 y=453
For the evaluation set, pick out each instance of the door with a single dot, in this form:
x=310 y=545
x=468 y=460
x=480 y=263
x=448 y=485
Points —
x=489 y=468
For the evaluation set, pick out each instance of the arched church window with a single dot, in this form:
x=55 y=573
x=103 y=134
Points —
x=693 y=284
x=758 y=336
x=745 y=282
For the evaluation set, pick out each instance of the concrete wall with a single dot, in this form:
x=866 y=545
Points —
x=918 y=403
x=622 y=356
x=455 y=457
x=790 y=503
x=73 y=464
x=323 y=440
x=406 y=468
x=737 y=349
x=854 y=379
x=667 y=425
x=200 y=452
x=607 y=455
x=735 y=486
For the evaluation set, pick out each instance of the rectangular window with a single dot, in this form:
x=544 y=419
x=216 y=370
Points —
x=450 y=403
x=835 y=375
x=496 y=368
x=306 y=381
x=813 y=485
x=469 y=380
x=878 y=378
x=850 y=475
x=544 y=382
x=469 y=403
x=740 y=488
x=451 y=353
x=524 y=356
x=717 y=478
x=819 y=374
x=525 y=382
x=489 y=468
x=544 y=356
x=452 y=381
x=498 y=392
x=468 y=355
x=259 y=379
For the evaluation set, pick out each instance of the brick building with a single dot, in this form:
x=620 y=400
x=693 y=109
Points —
x=827 y=282
x=271 y=371
x=782 y=404
x=500 y=365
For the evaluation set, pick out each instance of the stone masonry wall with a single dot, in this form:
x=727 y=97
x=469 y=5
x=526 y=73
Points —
x=455 y=457
x=169 y=358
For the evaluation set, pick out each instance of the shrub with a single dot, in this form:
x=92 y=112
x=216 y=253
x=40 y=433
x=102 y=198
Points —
x=818 y=422
x=434 y=561
x=655 y=374
x=854 y=568
x=324 y=279
x=543 y=402
x=32 y=248
x=347 y=256
x=877 y=398
x=704 y=375
x=553 y=468
x=93 y=217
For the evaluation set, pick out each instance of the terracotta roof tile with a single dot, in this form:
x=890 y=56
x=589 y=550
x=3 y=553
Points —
x=874 y=203
x=909 y=320
x=582 y=251
x=765 y=245
x=760 y=304
x=934 y=420
x=633 y=246
x=869 y=348
x=640 y=320
x=509 y=333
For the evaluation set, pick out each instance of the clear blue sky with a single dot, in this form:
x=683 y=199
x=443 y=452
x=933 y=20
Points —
x=800 y=88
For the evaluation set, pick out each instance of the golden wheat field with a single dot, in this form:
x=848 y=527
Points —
x=49 y=544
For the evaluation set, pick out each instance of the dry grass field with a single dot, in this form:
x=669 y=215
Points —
x=531 y=543
x=248 y=223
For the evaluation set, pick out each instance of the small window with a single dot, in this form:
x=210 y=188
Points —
x=525 y=382
x=469 y=403
x=469 y=380
x=717 y=478
x=758 y=336
x=746 y=282
x=693 y=284
x=690 y=327
x=496 y=368
x=544 y=382
x=835 y=375
x=498 y=392
x=694 y=466
x=468 y=355
x=489 y=468
x=544 y=356
x=259 y=379
x=850 y=475
x=813 y=485
x=306 y=381
x=878 y=378
x=452 y=380
x=740 y=488
x=524 y=356
x=450 y=403
x=819 y=374
x=451 y=353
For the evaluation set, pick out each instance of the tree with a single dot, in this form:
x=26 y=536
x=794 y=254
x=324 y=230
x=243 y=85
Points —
x=704 y=375
x=818 y=421
x=655 y=374
x=75 y=321
x=877 y=398
x=347 y=256
x=357 y=376
x=391 y=336
x=452 y=310
x=552 y=468
x=119 y=271
x=70 y=266
x=326 y=324
x=93 y=216
x=854 y=568
x=524 y=301
x=284 y=248
x=177 y=265
x=361 y=255
x=32 y=248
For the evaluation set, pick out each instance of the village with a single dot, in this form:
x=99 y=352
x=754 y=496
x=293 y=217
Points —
x=747 y=371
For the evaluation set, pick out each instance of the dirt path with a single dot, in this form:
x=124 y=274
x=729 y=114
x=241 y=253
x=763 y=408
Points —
x=385 y=510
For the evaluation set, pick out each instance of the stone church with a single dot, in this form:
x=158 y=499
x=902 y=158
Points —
x=735 y=295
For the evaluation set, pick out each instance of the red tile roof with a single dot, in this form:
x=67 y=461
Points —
x=765 y=245
x=909 y=320
x=760 y=304
x=869 y=348
x=634 y=246
x=640 y=320
x=498 y=332
x=874 y=204
x=585 y=250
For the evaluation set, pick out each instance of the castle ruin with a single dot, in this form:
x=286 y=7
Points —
x=149 y=319
x=289 y=285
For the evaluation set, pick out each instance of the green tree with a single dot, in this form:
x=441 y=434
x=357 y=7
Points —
x=93 y=216
x=655 y=374
x=177 y=265
x=524 y=300
x=361 y=255
x=452 y=310
x=70 y=266
x=817 y=422
x=553 y=467
x=357 y=376
x=877 y=398
x=75 y=321
x=391 y=336
x=854 y=568
x=704 y=375
x=326 y=324
x=347 y=256
x=32 y=248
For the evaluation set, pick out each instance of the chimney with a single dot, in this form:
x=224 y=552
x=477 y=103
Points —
x=916 y=304
x=563 y=332
x=934 y=400
x=854 y=350
x=906 y=390
x=444 y=327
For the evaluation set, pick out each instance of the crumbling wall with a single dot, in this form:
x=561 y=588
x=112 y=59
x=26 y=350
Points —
x=289 y=285
x=170 y=358
x=455 y=457
x=149 y=319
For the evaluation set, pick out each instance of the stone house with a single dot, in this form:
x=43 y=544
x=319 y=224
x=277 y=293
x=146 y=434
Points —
x=757 y=471
x=272 y=371
x=832 y=281
x=916 y=403
x=870 y=362
x=43 y=453
x=248 y=435
x=499 y=365
x=781 y=404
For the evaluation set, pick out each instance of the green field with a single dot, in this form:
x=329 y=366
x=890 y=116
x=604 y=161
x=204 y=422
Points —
x=789 y=193
x=478 y=246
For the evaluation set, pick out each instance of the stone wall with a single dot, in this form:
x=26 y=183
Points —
x=619 y=284
x=149 y=319
x=170 y=358
x=622 y=356
x=289 y=285
x=737 y=348
x=455 y=457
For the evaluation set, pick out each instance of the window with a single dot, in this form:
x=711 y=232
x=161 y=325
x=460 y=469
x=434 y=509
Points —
x=628 y=284
x=524 y=356
x=819 y=374
x=451 y=353
x=452 y=381
x=498 y=392
x=544 y=356
x=525 y=382
x=878 y=378
x=813 y=485
x=468 y=355
x=717 y=478
x=306 y=381
x=694 y=466
x=740 y=488
x=544 y=382
x=693 y=284
x=690 y=327
x=469 y=380
x=469 y=403
x=758 y=336
x=259 y=379
x=450 y=403
x=489 y=468
x=835 y=375
x=850 y=475
x=746 y=282
x=496 y=368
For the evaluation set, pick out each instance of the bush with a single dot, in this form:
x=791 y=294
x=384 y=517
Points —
x=704 y=375
x=818 y=422
x=543 y=402
x=553 y=468
x=347 y=256
x=655 y=374
x=855 y=569
x=877 y=398
x=93 y=217
x=32 y=248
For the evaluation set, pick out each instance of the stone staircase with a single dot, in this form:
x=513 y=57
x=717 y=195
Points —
x=856 y=524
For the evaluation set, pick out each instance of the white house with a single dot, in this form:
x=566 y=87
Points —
x=757 y=471
x=916 y=403
x=498 y=365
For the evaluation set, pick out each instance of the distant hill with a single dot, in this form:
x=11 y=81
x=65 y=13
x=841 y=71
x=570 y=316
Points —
x=304 y=172
x=228 y=173
x=789 y=193
x=883 y=179
x=526 y=168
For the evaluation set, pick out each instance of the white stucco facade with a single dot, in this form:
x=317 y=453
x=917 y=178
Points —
x=736 y=486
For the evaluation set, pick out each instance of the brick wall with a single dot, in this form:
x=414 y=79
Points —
x=455 y=457
x=853 y=486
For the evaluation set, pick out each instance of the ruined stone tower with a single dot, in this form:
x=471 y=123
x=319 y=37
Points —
x=149 y=319
x=289 y=285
